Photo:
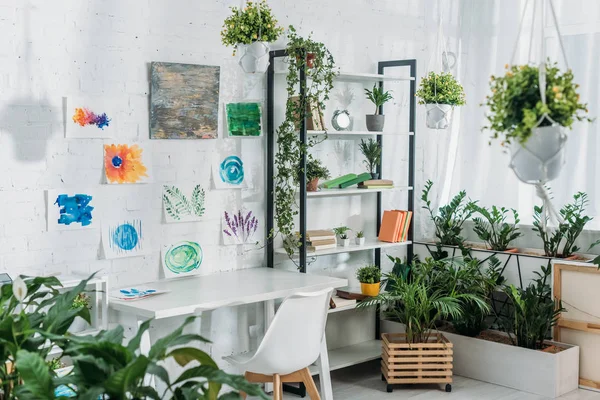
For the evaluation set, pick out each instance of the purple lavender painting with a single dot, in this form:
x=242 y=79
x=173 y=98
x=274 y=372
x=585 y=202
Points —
x=239 y=227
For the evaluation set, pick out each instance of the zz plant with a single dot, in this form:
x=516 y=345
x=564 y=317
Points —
x=492 y=228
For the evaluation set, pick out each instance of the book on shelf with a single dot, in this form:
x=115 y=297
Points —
x=377 y=187
x=395 y=225
x=350 y=293
x=339 y=302
x=323 y=242
x=316 y=235
x=334 y=183
x=404 y=237
x=377 y=182
x=322 y=247
x=365 y=176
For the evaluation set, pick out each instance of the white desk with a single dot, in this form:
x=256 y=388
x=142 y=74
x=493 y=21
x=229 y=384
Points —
x=192 y=295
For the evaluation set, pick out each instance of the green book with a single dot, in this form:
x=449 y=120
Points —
x=365 y=176
x=377 y=187
x=338 y=181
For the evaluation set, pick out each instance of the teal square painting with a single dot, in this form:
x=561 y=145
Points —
x=244 y=119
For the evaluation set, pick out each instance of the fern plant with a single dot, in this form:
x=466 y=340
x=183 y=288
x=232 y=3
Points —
x=177 y=205
x=493 y=228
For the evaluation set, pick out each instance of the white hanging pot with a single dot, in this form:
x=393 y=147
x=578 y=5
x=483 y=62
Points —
x=254 y=57
x=541 y=157
x=438 y=115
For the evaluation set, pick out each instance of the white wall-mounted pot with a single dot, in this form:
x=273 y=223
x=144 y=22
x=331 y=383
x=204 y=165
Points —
x=254 y=57
x=438 y=115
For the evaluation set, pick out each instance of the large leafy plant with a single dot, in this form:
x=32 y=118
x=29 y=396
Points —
x=254 y=22
x=515 y=105
x=493 y=228
x=442 y=88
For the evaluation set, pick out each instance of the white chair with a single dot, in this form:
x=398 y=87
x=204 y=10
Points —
x=291 y=344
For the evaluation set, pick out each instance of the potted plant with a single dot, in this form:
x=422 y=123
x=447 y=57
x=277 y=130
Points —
x=440 y=93
x=493 y=229
x=372 y=152
x=80 y=302
x=315 y=171
x=342 y=234
x=370 y=280
x=376 y=121
x=250 y=30
x=518 y=115
x=360 y=238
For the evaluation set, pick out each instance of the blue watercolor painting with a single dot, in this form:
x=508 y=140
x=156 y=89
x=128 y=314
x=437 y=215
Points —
x=231 y=170
x=74 y=209
x=123 y=239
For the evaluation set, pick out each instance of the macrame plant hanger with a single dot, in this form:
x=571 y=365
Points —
x=555 y=157
x=255 y=59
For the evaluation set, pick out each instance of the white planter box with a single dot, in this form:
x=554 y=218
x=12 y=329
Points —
x=533 y=371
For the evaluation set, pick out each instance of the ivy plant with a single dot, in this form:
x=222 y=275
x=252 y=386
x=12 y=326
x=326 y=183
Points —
x=442 y=88
x=315 y=169
x=492 y=227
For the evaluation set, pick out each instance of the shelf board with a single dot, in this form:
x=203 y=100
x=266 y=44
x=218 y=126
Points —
x=359 y=133
x=351 y=355
x=370 y=244
x=359 y=77
x=353 y=191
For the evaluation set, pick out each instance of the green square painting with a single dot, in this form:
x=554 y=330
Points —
x=244 y=119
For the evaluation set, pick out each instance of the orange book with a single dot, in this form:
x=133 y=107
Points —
x=390 y=224
x=407 y=226
x=402 y=225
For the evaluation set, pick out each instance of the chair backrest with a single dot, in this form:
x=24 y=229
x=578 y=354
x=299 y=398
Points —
x=293 y=340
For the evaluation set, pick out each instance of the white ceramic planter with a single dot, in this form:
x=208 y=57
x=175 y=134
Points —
x=254 y=58
x=545 y=374
x=438 y=115
x=344 y=242
x=360 y=241
x=542 y=156
x=78 y=325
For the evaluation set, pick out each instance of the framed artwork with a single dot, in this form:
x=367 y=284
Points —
x=89 y=118
x=69 y=209
x=184 y=101
x=124 y=238
x=239 y=227
x=181 y=259
x=183 y=202
x=228 y=172
x=244 y=119
x=125 y=163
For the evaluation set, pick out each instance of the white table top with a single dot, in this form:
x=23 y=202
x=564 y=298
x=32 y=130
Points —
x=208 y=292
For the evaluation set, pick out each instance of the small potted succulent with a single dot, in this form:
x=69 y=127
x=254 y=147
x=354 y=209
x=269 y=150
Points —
x=360 y=238
x=249 y=31
x=440 y=93
x=315 y=170
x=370 y=280
x=372 y=152
x=79 y=324
x=376 y=121
x=342 y=234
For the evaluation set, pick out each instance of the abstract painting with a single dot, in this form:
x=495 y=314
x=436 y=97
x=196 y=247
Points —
x=70 y=209
x=228 y=172
x=182 y=258
x=243 y=119
x=239 y=227
x=124 y=239
x=184 y=101
x=182 y=203
x=126 y=164
x=89 y=118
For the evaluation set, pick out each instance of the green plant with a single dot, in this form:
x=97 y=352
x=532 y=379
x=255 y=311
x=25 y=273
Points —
x=372 y=152
x=360 y=234
x=81 y=301
x=254 y=22
x=450 y=218
x=493 y=228
x=400 y=269
x=368 y=274
x=533 y=313
x=341 y=232
x=315 y=170
x=290 y=148
x=442 y=88
x=55 y=363
x=515 y=105
x=378 y=97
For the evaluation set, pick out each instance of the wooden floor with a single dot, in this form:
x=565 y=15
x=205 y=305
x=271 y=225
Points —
x=363 y=382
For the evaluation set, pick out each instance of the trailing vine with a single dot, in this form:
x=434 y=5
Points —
x=319 y=66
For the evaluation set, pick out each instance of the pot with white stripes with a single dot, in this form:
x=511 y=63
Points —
x=438 y=115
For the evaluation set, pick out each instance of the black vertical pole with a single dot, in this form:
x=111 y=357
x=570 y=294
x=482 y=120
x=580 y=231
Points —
x=412 y=127
x=303 y=103
x=270 y=159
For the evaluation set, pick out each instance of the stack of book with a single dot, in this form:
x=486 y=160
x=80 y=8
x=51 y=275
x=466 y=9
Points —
x=347 y=180
x=394 y=226
x=320 y=240
x=377 y=184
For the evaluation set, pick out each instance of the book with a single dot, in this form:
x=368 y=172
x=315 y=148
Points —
x=323 y=242
x=378 y=182
x=390 y=225
x=377 y=187
x=350 y=293
x=360 y=178
x=339 y=302
x=320 y=235
x=322 y=247
x=407 y=226
x=334 y=183
x=401 y=226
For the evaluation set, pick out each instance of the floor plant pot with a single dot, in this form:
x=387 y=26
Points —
x=312 y=185
x=370 y=289
x=541 y=157
x=410 y=363
x=375 y=123
x=254 y=57
x=438 y=115
x=344 y=242
x=360 y=241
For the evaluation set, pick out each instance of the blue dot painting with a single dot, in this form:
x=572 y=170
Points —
x=74 y=209
x=123 y=238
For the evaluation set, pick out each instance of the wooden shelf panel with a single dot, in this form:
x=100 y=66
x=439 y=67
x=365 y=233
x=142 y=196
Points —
x=370 y=244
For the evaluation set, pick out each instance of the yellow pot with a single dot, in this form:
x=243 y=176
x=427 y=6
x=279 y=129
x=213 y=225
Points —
x=370 y=289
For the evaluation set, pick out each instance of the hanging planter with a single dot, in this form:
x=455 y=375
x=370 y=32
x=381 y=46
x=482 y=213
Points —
x=440 y=93
x=249 y=31
x=541 y=158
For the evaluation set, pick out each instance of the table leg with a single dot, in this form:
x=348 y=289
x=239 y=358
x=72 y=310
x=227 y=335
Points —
x=324 y=374
x=269 y=315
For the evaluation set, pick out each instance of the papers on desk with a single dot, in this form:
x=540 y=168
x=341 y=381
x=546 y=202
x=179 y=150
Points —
x=135 y=293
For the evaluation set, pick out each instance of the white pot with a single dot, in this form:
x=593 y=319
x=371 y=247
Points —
x=78 y=325
x=545 y=374
x=438 y=115
x=360 y=241
x=254 y=58
x=345 y=242
x=541 y=157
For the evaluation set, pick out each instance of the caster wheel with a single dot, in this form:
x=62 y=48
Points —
x=448 y=387
x=382 y=378
x=389 y=388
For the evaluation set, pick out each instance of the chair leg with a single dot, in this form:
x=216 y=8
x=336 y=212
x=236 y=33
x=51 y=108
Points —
x=311 y=388
x=277 y=387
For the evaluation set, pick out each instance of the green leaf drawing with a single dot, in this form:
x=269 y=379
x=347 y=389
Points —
x=170 y=208
x=198 y=201
x=179 y=204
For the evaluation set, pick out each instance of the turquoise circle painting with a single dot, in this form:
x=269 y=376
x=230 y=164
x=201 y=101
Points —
x=183 y=257
x=231 y=170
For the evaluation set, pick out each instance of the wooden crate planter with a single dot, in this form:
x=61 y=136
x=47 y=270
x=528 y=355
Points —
x=408 y=363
